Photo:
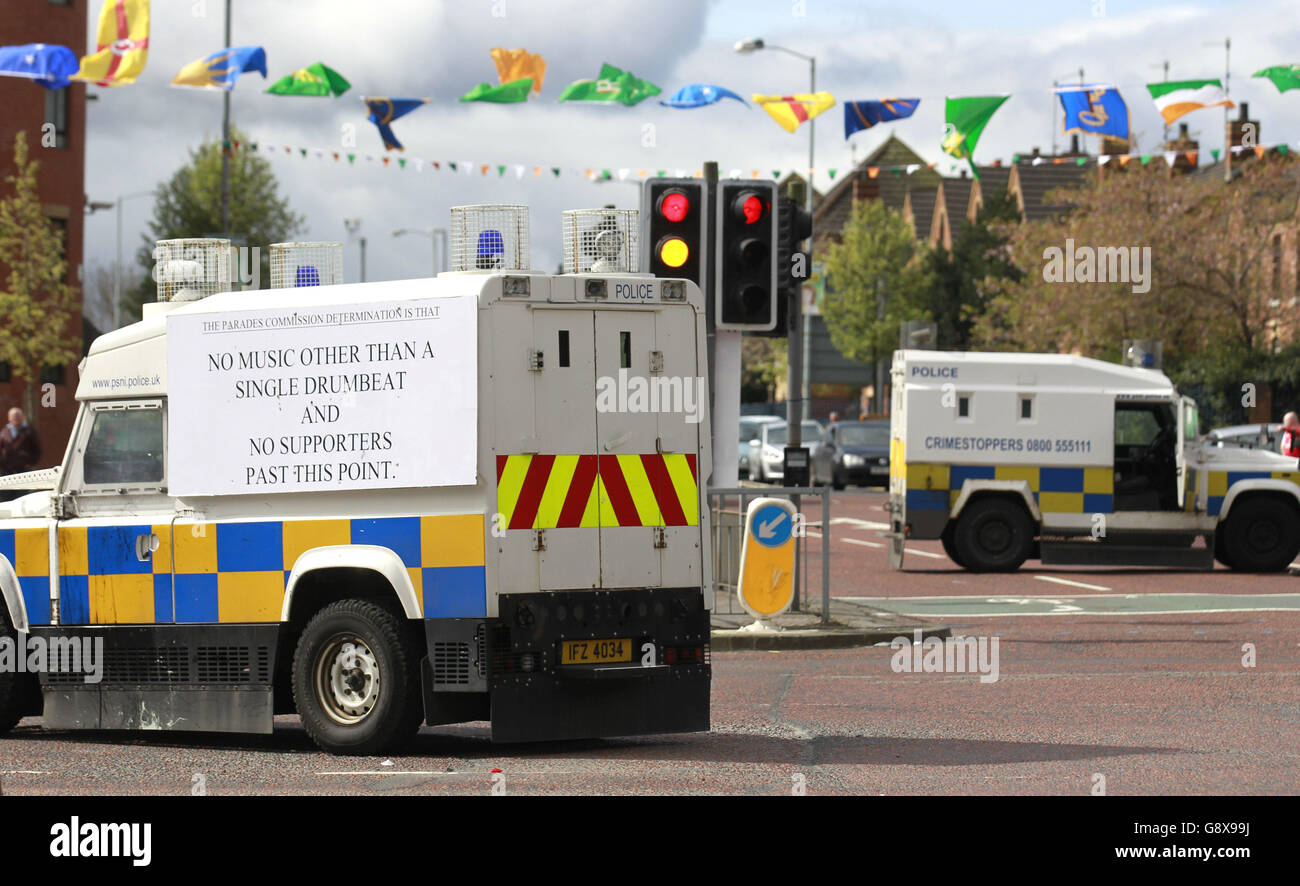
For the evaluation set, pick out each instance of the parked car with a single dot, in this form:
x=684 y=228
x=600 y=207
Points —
x=1247 y=436
x=749 y=425
x=767 y=449
x=853 y=452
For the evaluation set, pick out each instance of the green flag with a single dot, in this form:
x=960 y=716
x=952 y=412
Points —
x=1284 y=77
x=613 y=85
x=316 y=80
x=965 y=120
x=506 y=93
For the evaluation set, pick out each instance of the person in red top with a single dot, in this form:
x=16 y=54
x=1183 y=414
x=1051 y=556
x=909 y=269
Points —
x=1291 y=435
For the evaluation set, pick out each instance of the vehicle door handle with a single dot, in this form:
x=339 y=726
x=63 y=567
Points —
x=145 y=545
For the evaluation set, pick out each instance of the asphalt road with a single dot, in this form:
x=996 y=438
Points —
x=1147 y=682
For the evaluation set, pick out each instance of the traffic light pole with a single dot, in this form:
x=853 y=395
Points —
x=723 y=357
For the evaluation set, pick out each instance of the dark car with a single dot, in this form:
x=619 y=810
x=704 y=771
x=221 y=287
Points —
x=853 y=452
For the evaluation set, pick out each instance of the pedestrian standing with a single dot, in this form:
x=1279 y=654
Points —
x=20 y=449
x=1291 y=435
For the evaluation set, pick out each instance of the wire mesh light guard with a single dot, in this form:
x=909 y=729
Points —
x=490 y=237
x=306 y=264
x=191 y=269
x=601 y=241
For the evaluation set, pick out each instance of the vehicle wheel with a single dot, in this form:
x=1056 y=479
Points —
x=1221 y=548
x=19 y=693
x=356 y=679
x=993 y=535
x=1262 y=535
x=950 y=548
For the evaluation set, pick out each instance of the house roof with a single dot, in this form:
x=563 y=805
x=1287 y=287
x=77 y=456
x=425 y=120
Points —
x=954 y=197
x=891 y=187
x=922 y=202
x=1034 y=183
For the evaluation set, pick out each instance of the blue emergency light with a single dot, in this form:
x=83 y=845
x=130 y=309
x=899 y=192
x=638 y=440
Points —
x=491 y=249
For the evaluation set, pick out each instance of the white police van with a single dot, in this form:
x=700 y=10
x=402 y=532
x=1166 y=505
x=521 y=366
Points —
x=377 y=505
x=1007 y=457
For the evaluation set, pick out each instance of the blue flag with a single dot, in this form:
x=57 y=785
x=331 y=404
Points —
x=697 y=95
x=1094 y=110
x=222 y=68
x=384 y=111
x=48 y=65
x=864 y=115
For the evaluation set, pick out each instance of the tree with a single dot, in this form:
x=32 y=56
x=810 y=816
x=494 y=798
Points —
x=189 y=205
x=1207 y=280
x=978 y=255
x=763 y=366
x=877 y=278
x=36 y=301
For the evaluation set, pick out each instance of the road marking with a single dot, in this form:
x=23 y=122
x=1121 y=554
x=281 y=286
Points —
x=859 y=541
x=22 y=772
x=916 y=553
x=858 y=524
x=1093 y=604
x=1076 y=584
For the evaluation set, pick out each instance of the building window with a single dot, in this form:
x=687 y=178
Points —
x=6 y=373
x=61 y=226
x=60 y=2
x=53 y=375
x=56 y=112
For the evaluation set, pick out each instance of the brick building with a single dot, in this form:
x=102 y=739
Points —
x=61 y=180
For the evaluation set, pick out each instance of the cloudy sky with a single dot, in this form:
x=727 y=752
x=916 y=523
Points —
x=139 y=135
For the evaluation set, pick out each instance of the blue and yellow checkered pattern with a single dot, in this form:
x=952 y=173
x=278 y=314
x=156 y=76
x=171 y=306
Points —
x=236 y=572
x=933 y=487
x=1221 y=481
x=28 y=551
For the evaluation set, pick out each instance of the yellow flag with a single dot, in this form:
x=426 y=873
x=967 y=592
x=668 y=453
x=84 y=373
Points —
x=516 y=64
x=791 y=110
x=122 y=44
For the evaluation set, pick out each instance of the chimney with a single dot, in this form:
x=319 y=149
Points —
x=1074 y=144
x=963 y=172
x=1036 y=153
x=865 y=188
x=1243 y=130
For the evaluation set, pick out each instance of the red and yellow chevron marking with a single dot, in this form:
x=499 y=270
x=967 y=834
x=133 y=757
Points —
x=583 y=491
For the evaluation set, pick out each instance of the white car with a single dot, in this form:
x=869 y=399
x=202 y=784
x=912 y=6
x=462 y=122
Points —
x=767 y=449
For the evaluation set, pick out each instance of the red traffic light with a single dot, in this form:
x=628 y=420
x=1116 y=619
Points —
x=749 y=207
x=674 y=206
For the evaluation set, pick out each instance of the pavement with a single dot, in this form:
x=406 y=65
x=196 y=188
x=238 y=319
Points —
x=851 y=623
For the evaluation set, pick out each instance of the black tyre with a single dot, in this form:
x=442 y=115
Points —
x=950 y=548
x=1221 y=548
x=1262 y=534
x=356 y=679
x=19 y=693
x=993 y=535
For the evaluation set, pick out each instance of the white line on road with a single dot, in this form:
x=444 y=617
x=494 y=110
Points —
x=22 y=772
x=858 y=524
x=859 y=541
x=917 y=553
x=1075 y=584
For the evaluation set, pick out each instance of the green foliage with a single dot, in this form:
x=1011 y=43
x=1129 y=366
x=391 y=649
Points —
x=978 y=255
x=877 y=278
x=189 y=205
x=36 y=300
x=763 y=365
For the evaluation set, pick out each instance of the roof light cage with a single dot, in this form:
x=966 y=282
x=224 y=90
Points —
x=489 y=238
x=601 y=241
x=306 y=264
x=188 y=270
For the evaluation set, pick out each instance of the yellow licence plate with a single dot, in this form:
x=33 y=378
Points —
x=595 y=651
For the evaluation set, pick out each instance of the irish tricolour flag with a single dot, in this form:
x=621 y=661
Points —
x=1178 y=97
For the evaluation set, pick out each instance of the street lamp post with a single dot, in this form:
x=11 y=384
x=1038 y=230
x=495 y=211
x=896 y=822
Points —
x=354 y=226
x=794 y=339
x=435 y=235
x=117 y=264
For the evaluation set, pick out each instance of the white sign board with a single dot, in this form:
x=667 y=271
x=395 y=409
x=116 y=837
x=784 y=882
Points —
x=365 y=396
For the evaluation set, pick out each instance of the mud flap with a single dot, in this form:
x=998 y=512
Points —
x=896 y=536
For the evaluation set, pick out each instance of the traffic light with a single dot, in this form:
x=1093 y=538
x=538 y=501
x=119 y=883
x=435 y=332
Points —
x=675 y=228
x=745 y=257
x=794 y=225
